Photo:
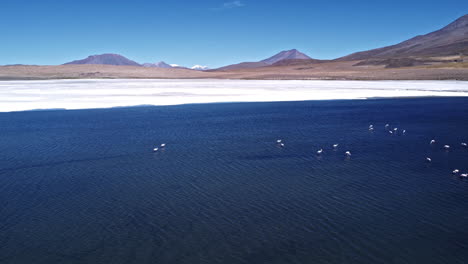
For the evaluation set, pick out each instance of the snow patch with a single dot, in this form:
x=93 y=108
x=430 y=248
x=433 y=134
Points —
x=200 y=68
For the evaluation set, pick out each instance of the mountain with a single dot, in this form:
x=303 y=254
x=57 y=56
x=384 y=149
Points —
x=293 y=54
x=450 y=40
x=107 y=59
x=200 y=68
x=160 y=64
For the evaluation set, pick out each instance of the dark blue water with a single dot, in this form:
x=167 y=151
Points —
x=84 y=187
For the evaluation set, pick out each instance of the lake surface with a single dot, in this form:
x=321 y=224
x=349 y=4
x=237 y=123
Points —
x=85 y=187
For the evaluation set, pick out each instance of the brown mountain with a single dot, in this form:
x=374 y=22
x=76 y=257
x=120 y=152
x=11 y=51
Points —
x=286 y=55
x=293 y=54
x=106 y=59
x=450 y=40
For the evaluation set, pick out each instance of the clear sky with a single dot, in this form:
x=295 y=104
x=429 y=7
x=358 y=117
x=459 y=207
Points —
x=212 y=32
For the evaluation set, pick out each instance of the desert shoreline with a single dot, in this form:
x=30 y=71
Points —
x=315 y=71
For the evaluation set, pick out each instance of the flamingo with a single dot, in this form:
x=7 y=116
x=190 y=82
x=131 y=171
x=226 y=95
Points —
x=464 y=175
x=348 y=153
x=319 y=151
x=447 y=147
x=464 y=144
x=428 y=159
x=335 y=146
x=432 y=142
x=455 y=171
x=155 y=149
x=163 y=145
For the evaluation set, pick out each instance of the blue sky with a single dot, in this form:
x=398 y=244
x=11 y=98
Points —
x=213 y=33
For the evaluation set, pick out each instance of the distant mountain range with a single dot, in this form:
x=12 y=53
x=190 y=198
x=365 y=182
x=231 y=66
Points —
x=437 y=46
x=119 y=60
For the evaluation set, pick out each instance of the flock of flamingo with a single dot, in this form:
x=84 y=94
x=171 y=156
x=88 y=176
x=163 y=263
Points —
x=320 y=151
x=163 y=145
x=447 y=148
x=347 y=153
x=392 y=131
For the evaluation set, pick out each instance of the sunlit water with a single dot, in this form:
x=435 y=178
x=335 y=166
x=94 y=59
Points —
x=84 y=186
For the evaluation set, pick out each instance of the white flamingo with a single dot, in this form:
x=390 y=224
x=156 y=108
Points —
x=319 y=151
x=428 y=159
x=335 y=146
x=281 y=144
x=155 y=149
x=163 y=145
x=464 y=144
x=447 y=147
x=387 y=126
x=432 y=142
x=404 y=131
x=279 y=141
x=348 y=153
x=455 y=171
x=464 y=175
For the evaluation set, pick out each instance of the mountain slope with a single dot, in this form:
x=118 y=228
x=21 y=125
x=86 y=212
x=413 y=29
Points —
x=293 y=62
x=450 y=40
x=106 y=59
x=160 y=64
x=283 y=55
